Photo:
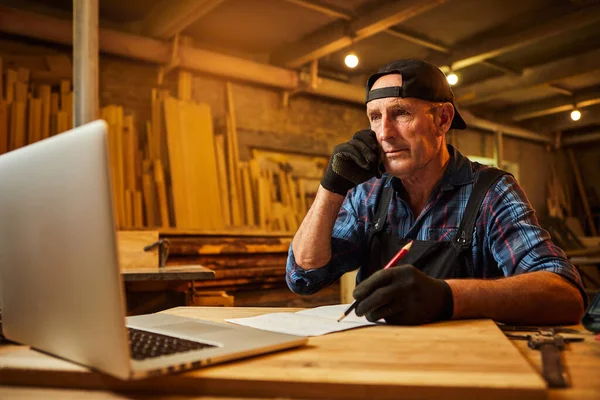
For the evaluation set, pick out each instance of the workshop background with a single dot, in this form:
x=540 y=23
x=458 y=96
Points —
x=249 y=97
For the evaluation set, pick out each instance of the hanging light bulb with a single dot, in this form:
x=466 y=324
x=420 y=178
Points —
x=452 y=79
x=351 y=60
x=575 y=115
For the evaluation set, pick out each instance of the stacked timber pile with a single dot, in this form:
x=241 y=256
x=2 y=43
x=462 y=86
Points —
x=207 y=187
x=179 y=173
x=31 y=112
x=249 y=269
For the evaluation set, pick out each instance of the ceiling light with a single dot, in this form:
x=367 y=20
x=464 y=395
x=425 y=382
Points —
x=351 y=60
x=575 y=115
x=452 y=79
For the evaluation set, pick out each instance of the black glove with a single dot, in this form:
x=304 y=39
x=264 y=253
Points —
x=353 y=163
x=403 y=295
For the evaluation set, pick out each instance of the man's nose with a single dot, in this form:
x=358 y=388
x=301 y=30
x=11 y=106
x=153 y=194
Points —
x=387 y=130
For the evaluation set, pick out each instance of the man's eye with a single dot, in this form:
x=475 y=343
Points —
x=375 y=117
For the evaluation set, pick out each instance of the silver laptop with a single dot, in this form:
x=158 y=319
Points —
x=60 y=286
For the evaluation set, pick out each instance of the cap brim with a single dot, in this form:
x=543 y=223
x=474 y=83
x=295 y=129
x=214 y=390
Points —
x=458 y=122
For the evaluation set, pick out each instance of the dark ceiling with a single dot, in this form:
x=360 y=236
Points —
x=517 y=60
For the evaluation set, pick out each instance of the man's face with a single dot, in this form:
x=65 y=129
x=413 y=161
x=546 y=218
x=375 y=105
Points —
x=405 y=129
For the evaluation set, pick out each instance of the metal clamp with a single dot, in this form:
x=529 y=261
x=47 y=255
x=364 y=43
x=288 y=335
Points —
x=163 y=251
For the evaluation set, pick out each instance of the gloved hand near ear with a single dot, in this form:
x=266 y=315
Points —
x=403 y=295
x=353 y=163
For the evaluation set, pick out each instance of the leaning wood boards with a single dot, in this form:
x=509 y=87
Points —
x=193 y=165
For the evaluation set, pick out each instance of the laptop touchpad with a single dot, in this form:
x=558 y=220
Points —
x=189 y=328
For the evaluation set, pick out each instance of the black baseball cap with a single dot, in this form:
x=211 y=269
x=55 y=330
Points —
x=420 y=80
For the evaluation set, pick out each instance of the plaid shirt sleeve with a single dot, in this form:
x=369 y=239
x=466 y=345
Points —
x=516 y=240
x=348 y=244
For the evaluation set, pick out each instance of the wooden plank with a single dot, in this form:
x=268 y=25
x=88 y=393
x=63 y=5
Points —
x=582 y=191
x=161 y=190
x=233 y=157
x=119 y=158
x=154 y=133
x=44 y=93
x=138 y=213
x=129 y=152
x=198 y=211
x=151 y=208
x=201 y=167
x=22 y=75
x=62 y=122
x=11 y=79
x=21 y=91
x=222 y=178
x=4 y=126
x=131 y=249
x=35 y=120
x=128 y=222
x=18 y=121
x=234 y=191
x=1 y=81
x=176 y=161
x=302 y=198
x=248 y=195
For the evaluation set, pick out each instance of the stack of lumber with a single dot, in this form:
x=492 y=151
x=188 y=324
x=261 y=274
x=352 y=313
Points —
x=126 y=168
x=270 y=192
x=30 y=112
x=179 y=174
x=249 y=267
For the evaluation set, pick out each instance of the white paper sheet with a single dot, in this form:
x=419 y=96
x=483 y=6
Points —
x=311 y=322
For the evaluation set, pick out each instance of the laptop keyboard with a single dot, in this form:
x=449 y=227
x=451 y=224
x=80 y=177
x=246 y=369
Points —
x=144 y=344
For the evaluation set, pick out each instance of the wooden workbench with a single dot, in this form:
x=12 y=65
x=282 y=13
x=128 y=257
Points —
x=458 y=359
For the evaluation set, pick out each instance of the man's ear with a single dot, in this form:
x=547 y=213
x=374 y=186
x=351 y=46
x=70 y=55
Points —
x=445 y=114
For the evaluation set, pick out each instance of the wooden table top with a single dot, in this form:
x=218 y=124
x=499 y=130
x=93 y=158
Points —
x=169 y=273
x=457 y=359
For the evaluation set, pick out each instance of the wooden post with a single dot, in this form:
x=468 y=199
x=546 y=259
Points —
x=499 y=149
x=85 y=61
x=582 y=193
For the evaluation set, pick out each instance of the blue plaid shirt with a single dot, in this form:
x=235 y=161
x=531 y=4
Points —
x=507 y=239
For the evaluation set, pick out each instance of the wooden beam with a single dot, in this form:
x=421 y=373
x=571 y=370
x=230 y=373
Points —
x=581 y=139
x=323 y=8
x=50 y=29
x=538 y=75
x=553 y=105
x=508 y=130
x=418 y=40
x=329 y=10
x=167 y=18
x=516 y=39
x=338 y=35
x=563 y=122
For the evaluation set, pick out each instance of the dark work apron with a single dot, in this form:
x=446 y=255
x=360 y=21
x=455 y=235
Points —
x=439 y=259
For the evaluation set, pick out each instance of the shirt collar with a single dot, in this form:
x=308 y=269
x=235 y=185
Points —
x=458 y=173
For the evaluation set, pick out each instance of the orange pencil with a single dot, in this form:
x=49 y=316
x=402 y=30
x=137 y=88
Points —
x=392 y=262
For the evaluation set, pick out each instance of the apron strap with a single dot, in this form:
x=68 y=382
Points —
x=382 y=207
x=487 y=177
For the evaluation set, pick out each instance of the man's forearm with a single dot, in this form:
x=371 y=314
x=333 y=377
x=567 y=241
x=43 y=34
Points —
x=312 y=242
x=536 y=298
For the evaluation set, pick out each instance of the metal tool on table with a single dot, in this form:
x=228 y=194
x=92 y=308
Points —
x=550 y=343
x=163 y=251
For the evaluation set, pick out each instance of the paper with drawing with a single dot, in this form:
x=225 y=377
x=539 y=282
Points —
x=311 y=322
